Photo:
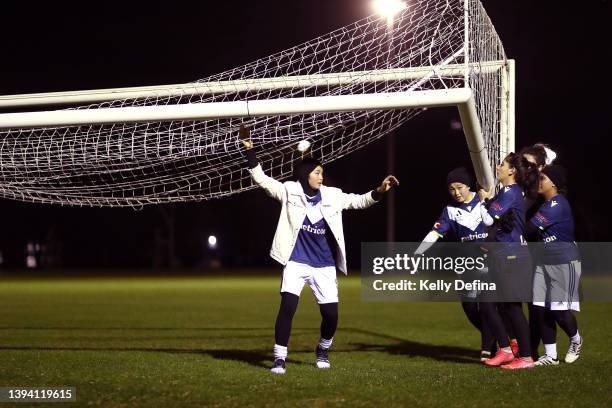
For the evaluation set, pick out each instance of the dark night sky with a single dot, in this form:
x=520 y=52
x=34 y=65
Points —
x=56 y=46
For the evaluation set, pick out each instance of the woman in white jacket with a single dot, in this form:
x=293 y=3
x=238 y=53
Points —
x=309 y=242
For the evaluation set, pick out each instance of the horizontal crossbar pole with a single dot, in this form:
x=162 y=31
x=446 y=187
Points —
x=237 y=109
x=244 y=85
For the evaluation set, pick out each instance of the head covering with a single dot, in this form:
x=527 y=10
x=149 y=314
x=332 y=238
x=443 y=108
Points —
x=557 y=175
x=550 y=155
x=459 y=175
x=301 y=172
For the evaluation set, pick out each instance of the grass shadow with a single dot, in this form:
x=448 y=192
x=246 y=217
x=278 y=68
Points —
x=256 y=358
x=263 y=358
x=410 y=348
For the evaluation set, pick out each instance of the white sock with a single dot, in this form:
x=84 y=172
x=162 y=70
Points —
x=551 y=350
x=280 y=352
x=324 y=343
x=576 y=337
x=507 y=349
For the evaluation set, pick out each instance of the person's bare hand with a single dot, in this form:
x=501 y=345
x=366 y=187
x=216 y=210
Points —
x=245 y=136
x=387 y=184
x=484 y=194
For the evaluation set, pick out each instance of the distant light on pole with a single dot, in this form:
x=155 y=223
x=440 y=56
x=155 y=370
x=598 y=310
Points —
x=388 y=9
x=212 y=242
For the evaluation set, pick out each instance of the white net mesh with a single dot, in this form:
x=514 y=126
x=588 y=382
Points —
x=485 y=46
x=157 y=162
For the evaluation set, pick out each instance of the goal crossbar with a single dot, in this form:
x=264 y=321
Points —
x=460 y=97
x=200 y=111
x=236 y=109
x=253 y=85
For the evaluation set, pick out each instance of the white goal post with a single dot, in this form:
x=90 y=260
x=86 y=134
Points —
x=460 y=97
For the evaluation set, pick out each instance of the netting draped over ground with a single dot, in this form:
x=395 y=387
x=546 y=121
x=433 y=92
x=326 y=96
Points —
x=134 y=164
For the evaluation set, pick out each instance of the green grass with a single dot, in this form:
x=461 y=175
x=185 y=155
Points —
x=165 y=342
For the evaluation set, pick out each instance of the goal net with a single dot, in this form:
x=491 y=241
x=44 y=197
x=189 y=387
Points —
x=341 y=91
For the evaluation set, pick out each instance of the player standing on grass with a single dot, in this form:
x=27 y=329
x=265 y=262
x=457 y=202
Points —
x=510 y=261
x=462 y=220
x=557 y=275
x=309 y=242
x=541 y=155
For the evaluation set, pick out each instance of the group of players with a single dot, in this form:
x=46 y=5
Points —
x=309 y=243
x=529 y=206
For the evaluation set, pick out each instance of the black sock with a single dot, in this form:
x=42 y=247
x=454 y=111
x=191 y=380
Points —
x=490 y=314
x=514 y=312
x=487 y=338
x=282 y=329
x=535 y=328
x=471 y=311
x=506 y=320
x=329 y=320
x=548 y=326
x=567 y=321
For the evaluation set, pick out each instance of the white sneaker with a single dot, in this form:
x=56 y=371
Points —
x=574 y=351
x=546 y=360
x=322 y=358
x=279 y=366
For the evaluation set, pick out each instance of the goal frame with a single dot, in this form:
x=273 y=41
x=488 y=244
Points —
x=462 y=98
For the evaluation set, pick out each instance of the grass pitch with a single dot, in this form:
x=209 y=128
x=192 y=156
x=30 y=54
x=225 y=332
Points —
x=170 y=342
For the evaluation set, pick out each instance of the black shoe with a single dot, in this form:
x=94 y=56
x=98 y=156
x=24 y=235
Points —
x=322 y=357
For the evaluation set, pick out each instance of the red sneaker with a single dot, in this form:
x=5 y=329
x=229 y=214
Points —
x=515 y=347
x=501 y=357
x=519 y=363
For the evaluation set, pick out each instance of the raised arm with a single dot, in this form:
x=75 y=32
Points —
x=273 y=188
x=361 y=201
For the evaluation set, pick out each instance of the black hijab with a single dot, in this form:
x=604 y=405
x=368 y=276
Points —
x=301 y=172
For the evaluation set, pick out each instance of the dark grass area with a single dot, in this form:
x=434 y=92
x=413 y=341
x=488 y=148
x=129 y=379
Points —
x=193 y=341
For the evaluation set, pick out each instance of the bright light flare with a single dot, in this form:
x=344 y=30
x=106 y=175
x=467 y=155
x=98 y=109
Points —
x=212 y=242
x=388 y=9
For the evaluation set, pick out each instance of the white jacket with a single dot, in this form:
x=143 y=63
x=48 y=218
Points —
x=293 y=211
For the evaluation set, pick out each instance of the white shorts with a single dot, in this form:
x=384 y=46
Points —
x=556 y=286
x=322 y=281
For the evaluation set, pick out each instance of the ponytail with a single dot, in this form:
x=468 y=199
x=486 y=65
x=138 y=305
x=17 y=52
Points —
x=542 y=154
x=527 y=175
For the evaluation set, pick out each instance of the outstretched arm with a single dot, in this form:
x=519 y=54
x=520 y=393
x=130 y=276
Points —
x=427 y=243
x=361 y=201
x=440 y=228
x=273 y=188
x=387 y=184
